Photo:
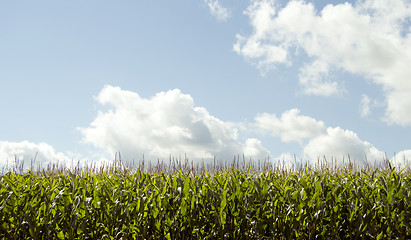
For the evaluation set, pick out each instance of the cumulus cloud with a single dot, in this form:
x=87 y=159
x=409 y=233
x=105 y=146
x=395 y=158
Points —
x=166 y=124
x=402 y=159
x=31 y=155
x=288 y=161
x=291 y=126
x=339 y=144
x=332 y=144
x=371 y=38
x=256 y=48
x=217 y=10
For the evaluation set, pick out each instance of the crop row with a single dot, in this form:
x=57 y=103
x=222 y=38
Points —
x=232 y=204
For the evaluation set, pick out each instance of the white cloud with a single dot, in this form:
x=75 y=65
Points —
x=365 y=106
x=166 y=124
x=291 y=126
x=371 y=38
x=287 y=161
x=254 y=147
x=337 y=144
x=31 y=155
x=217 y=10
x=314 y=79
x=402 y=159
x=256 y=47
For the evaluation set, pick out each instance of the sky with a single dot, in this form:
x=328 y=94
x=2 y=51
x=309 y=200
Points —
x=265 y=79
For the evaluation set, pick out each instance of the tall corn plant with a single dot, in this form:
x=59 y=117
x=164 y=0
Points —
x=225 y=204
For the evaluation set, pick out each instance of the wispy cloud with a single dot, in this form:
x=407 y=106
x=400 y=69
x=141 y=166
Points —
x=371 y=38
x=364 y=107
x=217 y=10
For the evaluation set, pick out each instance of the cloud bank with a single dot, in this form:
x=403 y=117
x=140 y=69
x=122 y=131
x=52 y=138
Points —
x=167 y=124
x=371 y=38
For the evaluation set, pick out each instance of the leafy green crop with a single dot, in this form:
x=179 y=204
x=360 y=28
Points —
x=234 y=204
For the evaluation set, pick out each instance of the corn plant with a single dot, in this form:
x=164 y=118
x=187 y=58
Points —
x=229 y=203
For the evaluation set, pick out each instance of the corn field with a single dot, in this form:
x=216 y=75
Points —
x=226 y=204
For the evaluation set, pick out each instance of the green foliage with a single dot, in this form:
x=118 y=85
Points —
x=225 y=205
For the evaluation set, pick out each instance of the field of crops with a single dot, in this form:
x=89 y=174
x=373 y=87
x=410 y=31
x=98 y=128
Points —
x=231 y=203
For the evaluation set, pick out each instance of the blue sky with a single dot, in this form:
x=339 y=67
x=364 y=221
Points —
x=83 y=80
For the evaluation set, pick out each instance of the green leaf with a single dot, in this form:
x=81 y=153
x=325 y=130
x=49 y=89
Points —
x=60 y=235
x=380 y=236
x=186 y=189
